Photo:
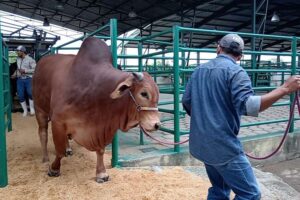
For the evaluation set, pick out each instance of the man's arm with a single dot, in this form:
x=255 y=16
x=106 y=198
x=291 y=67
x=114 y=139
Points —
x=292 y=84
x=32 y=64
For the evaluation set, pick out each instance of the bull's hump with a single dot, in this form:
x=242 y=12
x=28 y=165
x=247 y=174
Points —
x=94 y=50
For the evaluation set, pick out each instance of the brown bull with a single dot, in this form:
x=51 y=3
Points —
x=88 y=100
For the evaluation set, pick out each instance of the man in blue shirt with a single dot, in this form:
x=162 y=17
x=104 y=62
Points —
x=216 y=96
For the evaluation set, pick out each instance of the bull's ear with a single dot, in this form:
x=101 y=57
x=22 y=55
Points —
x=122 y=88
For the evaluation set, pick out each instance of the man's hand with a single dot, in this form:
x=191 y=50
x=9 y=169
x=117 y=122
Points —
x=22 y=71
x=292 y=84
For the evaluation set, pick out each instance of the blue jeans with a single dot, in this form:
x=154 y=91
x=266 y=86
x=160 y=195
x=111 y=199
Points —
x=24 y=85
x=237 y=175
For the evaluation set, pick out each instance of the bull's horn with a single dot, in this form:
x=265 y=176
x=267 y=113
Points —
x=138 y=75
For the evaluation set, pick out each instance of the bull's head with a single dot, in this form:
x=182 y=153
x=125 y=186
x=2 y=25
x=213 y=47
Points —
x=144 y=96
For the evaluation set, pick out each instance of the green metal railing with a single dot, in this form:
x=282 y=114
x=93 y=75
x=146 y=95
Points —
x=180 y=72
x=292 y=70
x=5 y=110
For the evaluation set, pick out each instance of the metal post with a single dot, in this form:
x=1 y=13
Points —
x=155 y=69
x=253 y=56
x=183 y=65
x=3 y=155
x=292 y=96
x=113 y=39
x=140 y=62
x=52 y=51
x=176 y=87
x=278 y=64
x=8 y=94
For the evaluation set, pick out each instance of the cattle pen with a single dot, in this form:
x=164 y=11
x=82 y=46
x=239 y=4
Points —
x=174 y=118
x=256 y=135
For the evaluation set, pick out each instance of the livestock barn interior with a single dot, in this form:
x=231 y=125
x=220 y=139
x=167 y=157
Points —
x=168 y=39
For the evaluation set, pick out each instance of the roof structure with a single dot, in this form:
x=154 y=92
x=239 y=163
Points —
x=158 y=15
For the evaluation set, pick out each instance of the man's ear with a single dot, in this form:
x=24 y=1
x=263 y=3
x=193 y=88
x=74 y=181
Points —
x=122 y=88
x=219 y=50
x=239 y=57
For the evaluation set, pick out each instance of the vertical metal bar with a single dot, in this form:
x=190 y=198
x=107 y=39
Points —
x=140 y=62
x=113 y=39
x=3 y=155
x=184 y=62
x=176 y=87
x=52 y=51
x=9 y=98
x=253 y=42
x=292 y=96
x=155 y=68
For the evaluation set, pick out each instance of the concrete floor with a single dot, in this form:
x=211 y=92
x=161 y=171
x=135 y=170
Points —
x=288 y=170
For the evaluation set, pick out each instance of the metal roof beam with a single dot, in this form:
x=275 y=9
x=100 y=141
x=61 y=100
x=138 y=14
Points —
x=243 y=25
x=216 y=14
x=78 y=14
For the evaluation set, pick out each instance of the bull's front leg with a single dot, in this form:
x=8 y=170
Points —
x=60 y=141
x=101 y=175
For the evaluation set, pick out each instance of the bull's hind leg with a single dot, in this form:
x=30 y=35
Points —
x=69 y=151
x=42 y=119
x=60 y=142
x=101 y=175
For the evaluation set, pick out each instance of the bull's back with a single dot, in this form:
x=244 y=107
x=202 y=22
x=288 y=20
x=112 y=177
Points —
x=50 y=70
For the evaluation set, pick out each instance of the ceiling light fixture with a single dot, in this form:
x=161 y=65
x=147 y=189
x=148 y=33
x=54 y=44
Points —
x=275 y=18
x=59 y=5
x=132 y=13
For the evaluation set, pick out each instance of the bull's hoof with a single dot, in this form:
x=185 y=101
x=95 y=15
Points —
x=53 y=173
x=68 y=152
x=102 y=180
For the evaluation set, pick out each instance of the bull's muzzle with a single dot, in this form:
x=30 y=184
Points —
x=157 y=125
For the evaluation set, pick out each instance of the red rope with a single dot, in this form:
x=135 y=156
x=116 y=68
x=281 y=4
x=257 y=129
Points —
x=163 y=142
x=295 y=101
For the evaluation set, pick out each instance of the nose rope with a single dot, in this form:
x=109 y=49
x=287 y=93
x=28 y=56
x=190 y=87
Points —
x=163 y=142
x=295 y=102
x=139 y=107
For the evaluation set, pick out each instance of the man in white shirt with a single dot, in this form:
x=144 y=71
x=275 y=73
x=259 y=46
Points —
x=26 y=67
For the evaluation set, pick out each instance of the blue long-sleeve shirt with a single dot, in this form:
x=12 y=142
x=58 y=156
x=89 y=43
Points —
x=216 y=96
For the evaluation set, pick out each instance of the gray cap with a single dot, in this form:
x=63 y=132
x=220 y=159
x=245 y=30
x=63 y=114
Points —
x=232 y=42
x=21 y=48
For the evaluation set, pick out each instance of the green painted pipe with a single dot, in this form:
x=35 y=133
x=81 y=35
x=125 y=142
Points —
x=3 y=154
x=113 y=38
x=244 y=52
x=213 y=32
x=176 y=87
x=140 y=63
x=292 y=96
x=266 y=122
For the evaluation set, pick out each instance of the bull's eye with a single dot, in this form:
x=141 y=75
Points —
x=145 y=95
